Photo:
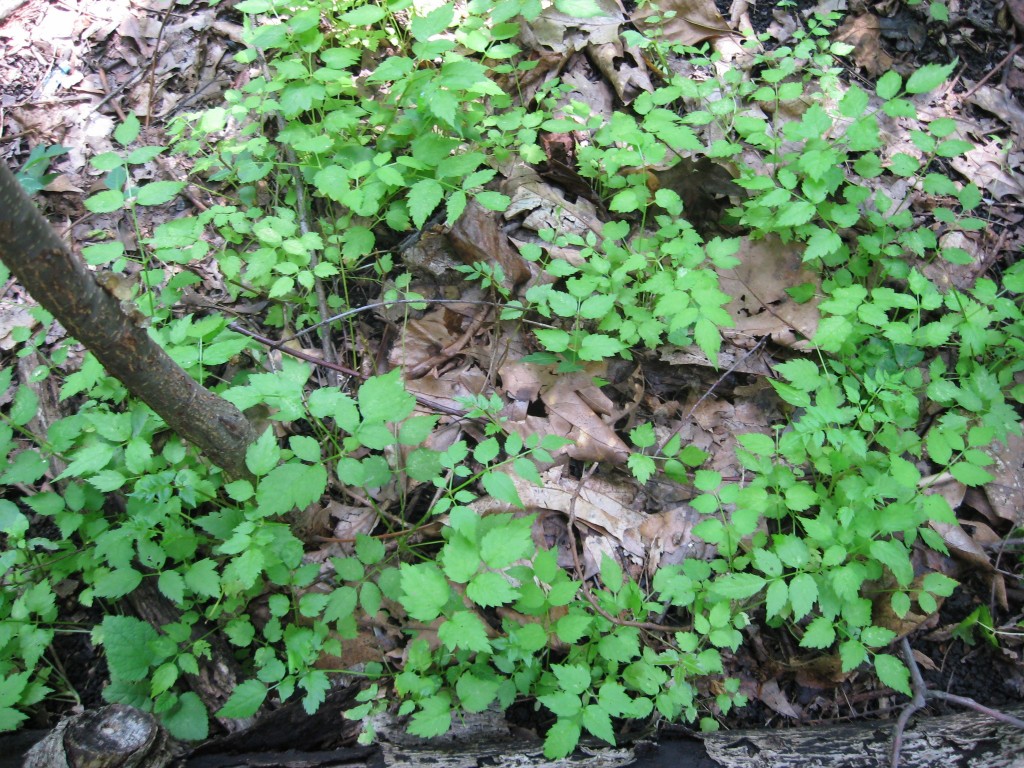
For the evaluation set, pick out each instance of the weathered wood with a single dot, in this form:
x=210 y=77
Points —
x=113 y=737
x=966 y=740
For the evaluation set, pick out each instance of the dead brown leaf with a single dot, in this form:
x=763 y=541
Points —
x=864 y=33
x=760 y=306
x=694 y=21
x=1006 y=491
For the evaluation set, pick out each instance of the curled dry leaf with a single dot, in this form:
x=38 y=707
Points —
x=669 y=540
x=993 y=169
x=544 y=206
x=13 y=315
x=476 y=237
x=1001 y=103
x=574 y=409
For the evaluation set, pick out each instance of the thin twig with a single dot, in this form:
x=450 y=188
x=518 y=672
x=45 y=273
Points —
x=278 y=345
x=921 y=694
x=991 y=73
x=156 y=58
x=382 y=305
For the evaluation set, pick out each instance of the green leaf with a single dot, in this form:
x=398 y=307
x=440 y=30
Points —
x=158 y=192
x=203 y=579
x=853 y=654
x=893 y=555
x=820 y=633
x=928 y=78
x=263 y=454
x=888 y=85
x=128 y=131
x=188 y=720
x=107 y=201
x=425 y=590
x=464 y=630
x=572 y=678
x=513 y=541
x=493 y=201
x=424 y=196
x=127 y=642
x=475 y=693
x=383 y=398
x=893 y=673
x=803 y=592
x=245 y=700
x=172 y=586
x=290 y=485
x=562 y=739
x=490 y=589
x=572 y=627
x=501 y=487
x=970 y=474
x=364 y=15
x=597 y=721
x=117 y=583
x=738 y=586
x=434 y=717
x=598 y=346
x=642 y=467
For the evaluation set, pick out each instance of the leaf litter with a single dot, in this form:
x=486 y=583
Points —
x=55 y=90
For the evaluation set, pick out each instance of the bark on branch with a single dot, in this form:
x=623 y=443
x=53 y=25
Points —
x=63 y=285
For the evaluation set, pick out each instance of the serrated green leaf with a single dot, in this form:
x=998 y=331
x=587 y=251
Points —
x=127 y=643
x=244 y=701
x=425 y=590
x=561 y=739
x=501 y=487
x=820 y=633
x=263 y=454
x=464 y=630
x=424 y=196
x=893 y=673
x=929 y=77
x=158 y=192
x=489 y=590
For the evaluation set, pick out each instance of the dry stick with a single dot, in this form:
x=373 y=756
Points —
x=991 y=73
x=570 y=529
x=382 y=305
x=922 y=694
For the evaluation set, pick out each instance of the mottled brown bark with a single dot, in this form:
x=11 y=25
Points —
x=62 y=284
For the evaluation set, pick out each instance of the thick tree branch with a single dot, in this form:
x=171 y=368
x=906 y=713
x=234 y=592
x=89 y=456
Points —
x=62 y=284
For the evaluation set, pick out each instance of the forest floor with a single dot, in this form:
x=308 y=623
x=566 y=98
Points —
x=71 y=70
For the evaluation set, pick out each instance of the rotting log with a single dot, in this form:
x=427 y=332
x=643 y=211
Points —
x=951 y=741
x=66 y=288
x=963 y=740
